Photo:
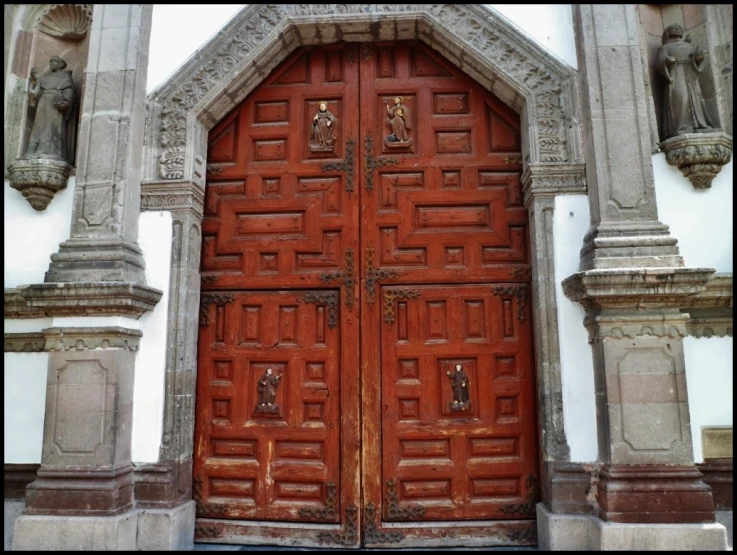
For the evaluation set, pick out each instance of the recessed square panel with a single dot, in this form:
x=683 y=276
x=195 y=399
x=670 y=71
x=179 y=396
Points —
x=314 y=412
x=223 y=370
x=506 y=367
x=506 y=409
x=236 y=448
x=276 y=111
x=221 y=409
x=408 y=369
x=270 y=150
x=453 y=142
x=315 y=372
x=409 y=409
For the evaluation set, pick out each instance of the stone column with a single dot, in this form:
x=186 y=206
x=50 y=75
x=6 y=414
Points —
x=103 y=243
x=625 y=231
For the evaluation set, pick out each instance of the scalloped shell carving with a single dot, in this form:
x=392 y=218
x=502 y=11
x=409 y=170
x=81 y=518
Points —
x=66 y=21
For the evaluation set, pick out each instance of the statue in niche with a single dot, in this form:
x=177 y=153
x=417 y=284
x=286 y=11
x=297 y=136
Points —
x=322 y=136
x=267 y=385
x=684 y=109
x=53 y=130
x=459 y=383
x=398 y=118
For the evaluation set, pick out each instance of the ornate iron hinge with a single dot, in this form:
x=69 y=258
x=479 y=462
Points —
x=206 y=299
x=367 y=51
x=348 y=535
x=206 y=532
x=351 y=54
x=512 y=159
x=348 y=165
x=372 y=163
x=371 y=534
x=327 y=298
x=393 y=510
x=527 y=534
x=374 y=274
x=527 y=508
x=521 y=273
x=390 y=295
x=519 y=291
x=329 y=511
x=347 y=276
x=202 y=508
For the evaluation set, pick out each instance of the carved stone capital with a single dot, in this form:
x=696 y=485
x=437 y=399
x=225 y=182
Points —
x=103 y=298
x=553 y=179
x=39 y=179
x=173 y=196
x=635 y=288
x=699 y=156
x=90 y=339
x=24 y=342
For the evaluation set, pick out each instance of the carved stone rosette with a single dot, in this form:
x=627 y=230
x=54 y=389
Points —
x=699 y=156
x=39 y=179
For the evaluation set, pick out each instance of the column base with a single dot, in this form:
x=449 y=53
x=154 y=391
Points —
x=557 y=532
x=167 y=529
x=76 y=533
x=109 y=259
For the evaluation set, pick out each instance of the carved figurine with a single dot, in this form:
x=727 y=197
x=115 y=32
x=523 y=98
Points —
x=459 y=383
x=267 y=385
x=684 y=109
x=398 y=118
x=53 y=129
x=322 y=135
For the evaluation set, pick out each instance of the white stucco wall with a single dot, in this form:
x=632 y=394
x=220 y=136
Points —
x=25 y=401
x=570 y=223
x=709 y=380
x=31 y=237
x=154 y=238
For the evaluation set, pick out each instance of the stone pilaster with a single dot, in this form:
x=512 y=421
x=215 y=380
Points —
x=625 y=231
x=103 y=242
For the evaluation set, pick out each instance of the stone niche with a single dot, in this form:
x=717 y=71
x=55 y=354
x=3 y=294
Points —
x=40 y=32
x=692 y=36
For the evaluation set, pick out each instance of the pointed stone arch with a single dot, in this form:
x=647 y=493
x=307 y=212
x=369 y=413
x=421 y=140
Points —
x=220 y=75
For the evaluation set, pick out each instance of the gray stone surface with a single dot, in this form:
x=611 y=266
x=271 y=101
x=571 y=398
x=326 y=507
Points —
x=13 y=509
x=556 y=532
x=70 y=533
x=609 y=536
x=725 y=518
x=167 y=529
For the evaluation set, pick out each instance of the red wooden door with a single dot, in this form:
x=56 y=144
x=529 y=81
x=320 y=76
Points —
x=365 y=200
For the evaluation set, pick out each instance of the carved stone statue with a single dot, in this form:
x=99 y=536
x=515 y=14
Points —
x=267 y=385
x=53 y=130
x=398 y=118
x=322 y=135
x=459 y=383
x=684 y=109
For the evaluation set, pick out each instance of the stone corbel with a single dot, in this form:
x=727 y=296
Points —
x=710 y=311
x=699 y=156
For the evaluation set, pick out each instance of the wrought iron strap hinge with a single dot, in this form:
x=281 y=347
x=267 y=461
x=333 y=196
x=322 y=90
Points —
x=527 y=508
x=374 y=274
x=348 y=165
x=202 y=508
x=348 y=535
x=393 y=510
x=327 y=298
x=347 y=276
x=371 y=533
x=518 y=291
x=329 y=511
x=206 y=299
x=372 y=163
x=390 y=296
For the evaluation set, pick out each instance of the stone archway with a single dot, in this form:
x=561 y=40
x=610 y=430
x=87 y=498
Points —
x=488 y=49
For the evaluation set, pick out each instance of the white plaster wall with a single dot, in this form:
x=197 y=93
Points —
x=31 y=237
x=154 y=238
x=709 y=381
x=178 y=30
x=700 y=220
x=570 y=223
x=25 y=401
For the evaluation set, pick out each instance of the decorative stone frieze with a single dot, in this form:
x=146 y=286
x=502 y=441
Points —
x=102 y=298
x=261 y=36
x=24 y=342
x=178 y=196
x=39 y=180
x=90 y=339
x=66 y=21
x=710 y=311
x=553 y=179
x=699 y=156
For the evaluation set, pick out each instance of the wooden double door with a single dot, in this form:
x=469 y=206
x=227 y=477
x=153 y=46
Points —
x=365 y=350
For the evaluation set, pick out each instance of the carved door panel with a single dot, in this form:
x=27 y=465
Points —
x=457 y=403
x=269 y=405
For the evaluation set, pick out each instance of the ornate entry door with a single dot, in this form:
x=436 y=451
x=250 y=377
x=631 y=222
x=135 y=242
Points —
x=365 y=355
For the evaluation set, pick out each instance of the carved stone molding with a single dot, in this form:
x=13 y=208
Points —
x=66 y=21
x=553 y=179
x=104 y=298
x=39 y=179
x=699 y=156
x=710 y=311
x=174 y=197
x=90 y=339
x=260 y=37
x=24 y=342
x=16 y=306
